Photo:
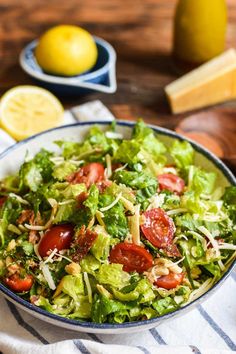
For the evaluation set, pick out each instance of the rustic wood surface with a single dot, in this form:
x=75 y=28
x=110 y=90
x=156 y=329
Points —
x=140 y=31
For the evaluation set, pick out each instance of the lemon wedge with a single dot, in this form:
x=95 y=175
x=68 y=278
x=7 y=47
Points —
x=28 y=110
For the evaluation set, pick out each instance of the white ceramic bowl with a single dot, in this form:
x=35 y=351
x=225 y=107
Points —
x=13 y=157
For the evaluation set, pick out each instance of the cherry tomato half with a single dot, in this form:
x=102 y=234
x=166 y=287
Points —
x=133 y=257
x=171 y=182
x=18 y=284
x=59 y=237
x=88 y=174
x=158 y=227
x=170 y=281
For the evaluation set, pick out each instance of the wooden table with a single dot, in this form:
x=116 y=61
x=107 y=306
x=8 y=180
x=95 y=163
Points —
x=140 y=31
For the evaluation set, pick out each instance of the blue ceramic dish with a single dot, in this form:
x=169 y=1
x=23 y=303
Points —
x=13 y=157
x=101 y=78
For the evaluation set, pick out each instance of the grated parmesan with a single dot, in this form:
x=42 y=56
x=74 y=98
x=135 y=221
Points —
x=17 y=197
x=47 y=275
x=112 y=204
x=113 y=135
x=214 y=243
x=108 y=171
x=176 y=211
x=134 y=223
x=88 y=286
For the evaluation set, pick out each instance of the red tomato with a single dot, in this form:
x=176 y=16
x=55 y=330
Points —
x=169 y=281
x=158 y=227
x=133 y=257
x=18 y=284
x=83 y=243
x=171 y=182
x=88 y=174
x=59 y=236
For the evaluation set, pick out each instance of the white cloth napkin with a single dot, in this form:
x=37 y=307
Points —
x=208 y=329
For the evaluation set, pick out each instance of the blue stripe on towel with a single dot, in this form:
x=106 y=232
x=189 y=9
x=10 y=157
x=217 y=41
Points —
x=144 y=350
x=81 y=347
x=25 y=325
x=217 y=328
x=157 y=336
x=94 y=337
x=195 y=350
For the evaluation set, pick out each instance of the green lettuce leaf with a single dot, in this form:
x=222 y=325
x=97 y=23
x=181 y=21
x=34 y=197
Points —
x=202 y=181
x=92 y=201
x=164 y=306
x=182 y=153
x=102 y=307
x=113 y=275
x=63 y=170
x=101 y=246
x=114 y=219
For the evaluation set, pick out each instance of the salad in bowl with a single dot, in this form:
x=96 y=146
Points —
x=114 y=230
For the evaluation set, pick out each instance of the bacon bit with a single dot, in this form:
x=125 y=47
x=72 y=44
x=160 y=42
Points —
x=103 y=185
x=115 y=166
x=172 y=251
x=26 y=215
x=2 y=200
x=33 y=234
x=75 y=177
x=13 y=269
x=34 y=299
x=83 y=242
x=81 y=199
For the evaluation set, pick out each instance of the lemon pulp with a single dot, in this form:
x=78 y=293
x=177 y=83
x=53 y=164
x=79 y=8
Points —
x=27 y=110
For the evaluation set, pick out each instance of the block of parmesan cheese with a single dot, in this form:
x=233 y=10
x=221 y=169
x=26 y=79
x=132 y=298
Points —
x=211 y=83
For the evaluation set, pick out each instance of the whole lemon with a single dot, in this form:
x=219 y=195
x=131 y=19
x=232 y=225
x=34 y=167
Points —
x=66 y=50
x=199 y=29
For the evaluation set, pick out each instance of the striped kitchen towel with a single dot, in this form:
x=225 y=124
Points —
x=208 y=329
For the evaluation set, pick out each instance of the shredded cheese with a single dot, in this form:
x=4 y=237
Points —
x=50 y=257
x=112 y=204
x=17 y=197
x=69 y=201
x=88 y=286
x=91 y=223
x=57 y=160
x=49 y=222
x=201 y=238
x=227 y=246
x=64 y=257
x=121 y=168
x=176 y=211
x=134 y=225
x=47 y=275
x=200 y=291
x=99 y=217
x=36 y=246
x=113 y=135
x=231 y=259
x=127 y=204
x=109 y=168
x=156 y=201
x=170 y=170
x=214 y=243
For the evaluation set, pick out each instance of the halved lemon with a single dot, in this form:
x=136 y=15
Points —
x=27 y=110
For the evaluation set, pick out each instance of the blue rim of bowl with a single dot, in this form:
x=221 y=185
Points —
x=75 y=80
x=91 y=325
